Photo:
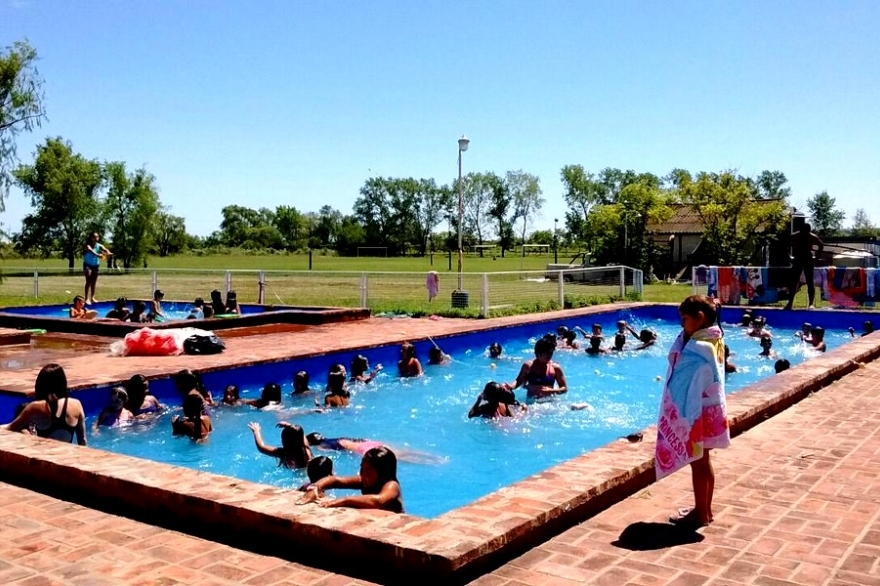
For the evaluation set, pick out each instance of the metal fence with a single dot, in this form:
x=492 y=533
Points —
x=399 y=292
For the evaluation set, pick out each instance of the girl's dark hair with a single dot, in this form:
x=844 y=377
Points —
x=137 y=387
x=696 y=304
x=561 y=331
x=544 y=346
x=495 y=349
x=359 y=365
x=235 y=391
x=193 y=405
x=408 y=350
x=51 y=385
x=186 y=380
x=314 y=438
x=384 y=462
x=781 y=365
x=121 y=302
x=216 y=295
x=336 y=381
x=318 y=468
x=140 y=307
x=570 y=336
x=271 y=393
x=435 y=355
x=293 y=445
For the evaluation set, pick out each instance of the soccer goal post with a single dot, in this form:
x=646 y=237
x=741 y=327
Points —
x=535 y=248
x=479 y=249
x=372 y=251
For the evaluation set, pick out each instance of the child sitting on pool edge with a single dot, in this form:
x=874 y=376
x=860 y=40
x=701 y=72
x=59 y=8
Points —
x=377 y=482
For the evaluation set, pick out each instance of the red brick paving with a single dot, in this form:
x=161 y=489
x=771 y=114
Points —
x=796 y=503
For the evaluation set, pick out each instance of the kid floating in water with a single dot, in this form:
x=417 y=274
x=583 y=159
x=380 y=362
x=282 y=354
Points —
x=79 y=311
x=818 y=339
x=270 y=396
x=377 y=482
x=496 y=400
x=541 y=376
x=360 y=367
x=194 y=423
x=409 y=366
x=115 y=412
x=294 y=451
x=361 y=446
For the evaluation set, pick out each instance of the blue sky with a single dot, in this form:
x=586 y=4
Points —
x=297 y=103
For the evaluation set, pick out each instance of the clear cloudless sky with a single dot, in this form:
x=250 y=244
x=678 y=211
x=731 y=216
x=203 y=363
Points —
x=297 y=103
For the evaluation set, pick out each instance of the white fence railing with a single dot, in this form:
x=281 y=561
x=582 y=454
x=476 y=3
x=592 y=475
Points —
x=379 y=291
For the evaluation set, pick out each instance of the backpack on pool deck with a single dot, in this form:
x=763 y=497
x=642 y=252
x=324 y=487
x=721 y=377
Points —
x=203 y=344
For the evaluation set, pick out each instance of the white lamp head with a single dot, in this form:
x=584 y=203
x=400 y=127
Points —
x=463 y=143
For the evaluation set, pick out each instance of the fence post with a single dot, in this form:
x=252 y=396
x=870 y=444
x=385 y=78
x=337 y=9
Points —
x=561 y=289
x=261 y=288
x=622 y=282
x=639 y=282
x=694 y=280
x=154 y=283
x=364 y=290
x=36 y=284
x=484 y=296
x=228 y=281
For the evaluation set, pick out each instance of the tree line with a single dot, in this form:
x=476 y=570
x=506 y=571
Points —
x=610 y=212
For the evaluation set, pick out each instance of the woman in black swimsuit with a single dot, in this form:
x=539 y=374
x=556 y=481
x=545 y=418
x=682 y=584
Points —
x=53 y=414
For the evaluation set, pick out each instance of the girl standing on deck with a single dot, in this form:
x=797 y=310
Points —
x=693 y=410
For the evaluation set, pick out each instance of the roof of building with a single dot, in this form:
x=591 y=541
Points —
x=684 y=220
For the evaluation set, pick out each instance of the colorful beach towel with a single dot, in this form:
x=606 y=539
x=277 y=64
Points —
x=693 y=410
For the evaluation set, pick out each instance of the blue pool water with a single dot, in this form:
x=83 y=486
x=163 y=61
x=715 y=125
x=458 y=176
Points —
x=173 y=309
x=427 y=417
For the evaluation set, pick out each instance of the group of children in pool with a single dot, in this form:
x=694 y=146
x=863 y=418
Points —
x=149 y=312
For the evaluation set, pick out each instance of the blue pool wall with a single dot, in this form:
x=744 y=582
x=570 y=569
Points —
x=281 y=372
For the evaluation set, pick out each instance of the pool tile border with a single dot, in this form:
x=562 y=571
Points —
x=391 y=548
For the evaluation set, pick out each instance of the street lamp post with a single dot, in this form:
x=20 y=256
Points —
x=555 y=241
x=462 y=147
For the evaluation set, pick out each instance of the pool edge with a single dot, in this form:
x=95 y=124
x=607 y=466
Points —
x=457 y=545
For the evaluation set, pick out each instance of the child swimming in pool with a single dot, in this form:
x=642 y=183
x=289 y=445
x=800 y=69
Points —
x=495 y=350
x=360 y=370
x=817 y=341
x=729 y=367
x=409 y=366
x=193 y=423
x=138 y=315
x=541 y=376
x=319 y=467
x=619 y=342
x=294 y=451
x=436 y=356
x=337 y=394
x=217 y=302
x=693 y=411
x=361 y=446
x=115 y=412
x=232 y=303
x=78 y=309
x=377 y=482
x=781 y=365
x=156 y=314
x=648 y=339
x=496 y=400
x=301 y=384
x=269 y=397
x=595 y=347
x=806 y=332
x=120 y=310
x=188 y=382
x=140 y=401
x=767 y=347
x=231 y=396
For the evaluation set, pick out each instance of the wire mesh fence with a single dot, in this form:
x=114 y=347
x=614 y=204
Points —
x=482 y=294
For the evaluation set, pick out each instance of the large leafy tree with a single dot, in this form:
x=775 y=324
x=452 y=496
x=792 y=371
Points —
x=502 y=211
x=525 y=190
x=170 y=233
x=583 y=192
x=21 y=105
x=292 y=226
x=373 y=210
x=130 y=208
x=862 y=226
x=772 y=185
x=477 y=189
x=826 y=217
x=433 y=203
x=63 y=188
x=735 y=224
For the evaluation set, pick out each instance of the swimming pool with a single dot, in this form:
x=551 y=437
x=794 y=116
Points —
x=426 y=418
x=55 y=318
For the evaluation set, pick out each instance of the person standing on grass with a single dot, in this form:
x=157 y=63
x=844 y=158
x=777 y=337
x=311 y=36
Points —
x=803 y=261
x=93 y=252
x=693 y=410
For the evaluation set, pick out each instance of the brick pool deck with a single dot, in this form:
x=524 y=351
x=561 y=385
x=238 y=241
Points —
x=795 y=504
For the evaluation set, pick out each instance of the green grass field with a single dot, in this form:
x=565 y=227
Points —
x=393 y=284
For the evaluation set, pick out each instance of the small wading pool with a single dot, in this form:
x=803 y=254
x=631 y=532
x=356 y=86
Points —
x=456 y=460
x=55 y=318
